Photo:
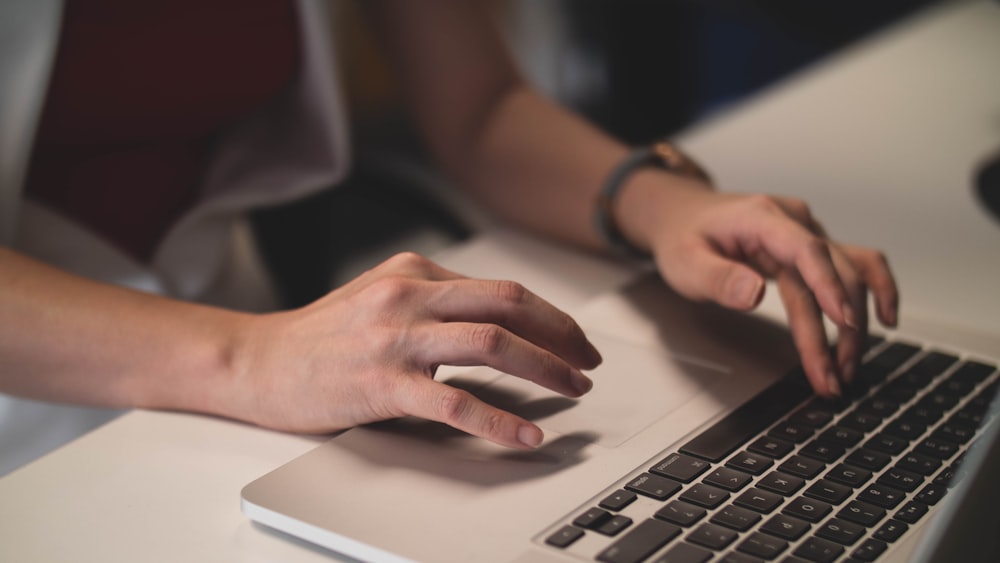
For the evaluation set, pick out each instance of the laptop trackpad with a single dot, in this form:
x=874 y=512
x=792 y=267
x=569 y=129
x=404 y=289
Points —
x=633 y=388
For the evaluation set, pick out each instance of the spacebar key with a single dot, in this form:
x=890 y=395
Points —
x=640 y=542
x=750 y=419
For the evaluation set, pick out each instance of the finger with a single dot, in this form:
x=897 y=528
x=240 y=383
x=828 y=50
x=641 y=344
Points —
x=464 y=344
x=799 y=210
x=851 y=340
x=414 y=265
x=429 y=399
x=809 y=335
x=512 y=306
x=704 y=274
x=874 y=269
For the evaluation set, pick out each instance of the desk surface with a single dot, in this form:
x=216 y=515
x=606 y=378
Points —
x=880 y=140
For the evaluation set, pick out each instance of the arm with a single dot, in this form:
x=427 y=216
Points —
x=541 y=167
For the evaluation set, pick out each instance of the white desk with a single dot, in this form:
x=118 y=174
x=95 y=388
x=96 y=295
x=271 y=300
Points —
x=852 y=137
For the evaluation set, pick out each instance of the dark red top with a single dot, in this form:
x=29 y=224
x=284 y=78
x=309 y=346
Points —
x=137 y=92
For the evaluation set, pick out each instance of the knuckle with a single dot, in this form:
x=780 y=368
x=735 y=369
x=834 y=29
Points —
x=508 y=291
x=389 y=291
x=488 y=338
x=408 y=261
x=451 y=405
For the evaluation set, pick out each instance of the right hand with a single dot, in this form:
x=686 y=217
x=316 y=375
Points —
x=369 y=350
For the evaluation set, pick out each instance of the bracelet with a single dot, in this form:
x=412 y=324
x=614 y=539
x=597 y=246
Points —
x=662 y=155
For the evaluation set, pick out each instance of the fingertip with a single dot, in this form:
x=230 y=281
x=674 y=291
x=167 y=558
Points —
x=530 y=435
x=744 y=290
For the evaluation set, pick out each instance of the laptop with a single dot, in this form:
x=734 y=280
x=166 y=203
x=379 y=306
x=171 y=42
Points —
x=667 y=460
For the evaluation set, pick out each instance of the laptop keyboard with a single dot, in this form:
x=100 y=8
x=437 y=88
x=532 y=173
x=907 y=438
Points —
x=789 y=476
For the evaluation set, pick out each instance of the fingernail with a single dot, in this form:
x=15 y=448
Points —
x=530 y=436
x=849 y=319
x=582 y=383
x=833 y=384
x=745 y=292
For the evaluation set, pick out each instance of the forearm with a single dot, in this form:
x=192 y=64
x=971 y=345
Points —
x=66 y=338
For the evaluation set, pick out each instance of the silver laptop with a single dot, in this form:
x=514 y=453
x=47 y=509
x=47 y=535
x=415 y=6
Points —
x=691 y=447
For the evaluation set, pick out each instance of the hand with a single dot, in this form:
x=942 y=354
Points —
x=720 y=247
x=368 y=351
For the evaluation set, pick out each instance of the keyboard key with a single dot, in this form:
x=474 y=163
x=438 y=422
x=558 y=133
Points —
x=868 y=459
x=654 y=486
x=736 y=557
x=617 y=500
x=911 y=512
x=932 y=494
x=786 y=527
x=891 y=531
x=781 y=483
x=736 y=518
x=791 y=431
x=813 y=414
x=773 y=447
x=880 y=407
x=802 y=467
x=592 y=518
x=862 y=513
x=681 y=513
x=840 y=531
x=826 y=452
x=729 y=479
x=680 y=467
x=934 y=363
x=763 y=545
x=712 y=536
x=954 y=433
x=685 y=553
x=919 y=463
x=905 y=429
x=749 y=462
x=892 y=356
x=705 y=495
x=869 y=550
x=901 y=479
x=830 y=492
x=887 y=443
x=842 y=435
x=819 y=550
x=640 y=542
x=849 y=475
x=564 y=536
x=759 y=500
x=861 y=421
x=808 y=509
x=748 y=420
x=615 y=525
x=922 y=414
x=973 y=372
x=881 y=495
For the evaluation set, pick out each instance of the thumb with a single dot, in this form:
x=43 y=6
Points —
x=705 y=275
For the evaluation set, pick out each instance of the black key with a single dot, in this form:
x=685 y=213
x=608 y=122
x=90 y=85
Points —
x=880 y=407
x=868 y=459
x=885 y=442
x=773 y=447
x=787 y=527
x=564 y=536
x=900 y=390
x=849 y=475
x=819 y=550
x=763 y=545
x=968 y=416
x=862 y=513
x=680 y=467
x=911 y=512
x=615 y=525
x=932 y=494
x=901 y=479
x=736 y=557
x=891 y=530
x=892 y=356
x=750 y=462
x=640 y=542
x=654 y=486
x=685 y=553
x=954 y=433
x=760 y=500
x=592 y=518
x=705 y=495
x=919 y=463
x=955 y=387
x=933 y=363
x=861 y=421
x=946 y=477
x=617 y=500
x=681 y=513
x=842 y=435
x=922 y=414
x=807 y=509
x=881 y=495
x=826 y=452
x=813 y=414
x=939 y=449
x=802 y=467
x=781 y=483
x=974 y=372
x=830 y=492
x=869 y=550
x=940 y=400
x=749 y=420
x=905 y=429
x=712 y=536
x=729 y=479
x=736 y=518
x=840 y=531
x=791 y=431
